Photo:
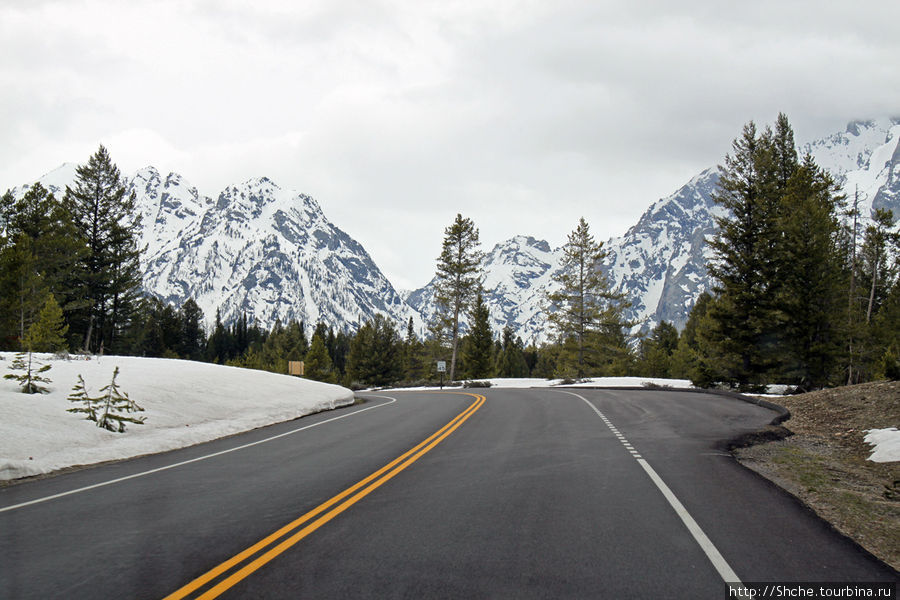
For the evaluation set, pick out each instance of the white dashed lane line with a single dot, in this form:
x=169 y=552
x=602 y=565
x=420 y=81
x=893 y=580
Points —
x=715 y=557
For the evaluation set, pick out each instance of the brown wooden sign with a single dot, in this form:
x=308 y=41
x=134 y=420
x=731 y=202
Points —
x=296 y=367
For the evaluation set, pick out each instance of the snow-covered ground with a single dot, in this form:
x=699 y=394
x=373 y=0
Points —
x=184 y=403
x=886 y=442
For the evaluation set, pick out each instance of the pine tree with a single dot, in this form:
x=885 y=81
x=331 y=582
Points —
x=48 y=332
x=217 y=344
x=318 y=363
x=193 y=339
x=876 y=268
x=457 y=279
x=375 y=353
x=811 y=283
x=656 y=351
x=886 y=335
x=80 y=395
x=40 y=247
x=584 y=313
x=32 y=378
x=478 y=344
x=110 y=272
x=112 y=404
x=744 y=266
x=547 y=359
x=693 y=358
x=511 y=360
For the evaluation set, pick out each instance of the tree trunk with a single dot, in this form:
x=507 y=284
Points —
x=455 y=342
x=872 y=291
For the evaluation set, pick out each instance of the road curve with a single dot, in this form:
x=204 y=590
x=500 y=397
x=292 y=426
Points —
x=525 y=493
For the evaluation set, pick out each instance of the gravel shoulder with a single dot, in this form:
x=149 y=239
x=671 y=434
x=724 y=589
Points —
x=824 y=462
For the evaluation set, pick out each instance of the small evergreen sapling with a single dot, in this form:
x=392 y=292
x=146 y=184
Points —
x=80 y=395
x=31 y=379
x=114 y=403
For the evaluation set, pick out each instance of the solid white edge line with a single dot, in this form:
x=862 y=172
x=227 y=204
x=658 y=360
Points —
x=715 y=557
x=193 y=460
x=712 y=553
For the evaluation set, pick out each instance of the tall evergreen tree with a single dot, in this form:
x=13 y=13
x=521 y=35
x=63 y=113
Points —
x=656 y=350
x=811 y=283
x=743 y=266
x=585 y=313
x=458 y=278
x=318 y=363
x=694 y=356
x=414 y=367
x=876 y=269
x=109 y=277
x=511 y=359
x=375 y=353
x=478 y=344
x=37 y=255
x=217 y=346
x=193 y=339
x=886 y=334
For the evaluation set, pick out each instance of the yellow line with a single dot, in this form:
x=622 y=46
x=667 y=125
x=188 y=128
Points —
x=385 y=473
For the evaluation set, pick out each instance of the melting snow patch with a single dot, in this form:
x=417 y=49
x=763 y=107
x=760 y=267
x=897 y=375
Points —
x=886 y=442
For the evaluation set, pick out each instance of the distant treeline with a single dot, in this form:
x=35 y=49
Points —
x=803 y=294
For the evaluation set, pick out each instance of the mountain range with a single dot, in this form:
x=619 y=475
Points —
x=271 y=253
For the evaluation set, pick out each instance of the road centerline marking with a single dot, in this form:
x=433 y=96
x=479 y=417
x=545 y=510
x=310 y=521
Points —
x=712 y=553
x=355 y=493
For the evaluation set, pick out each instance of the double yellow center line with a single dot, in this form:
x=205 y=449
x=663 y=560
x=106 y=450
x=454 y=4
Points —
x=289 y=535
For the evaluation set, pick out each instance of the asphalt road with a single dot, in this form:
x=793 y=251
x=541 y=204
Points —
x=514 y=494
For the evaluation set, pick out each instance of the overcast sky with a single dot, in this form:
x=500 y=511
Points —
x=396 y=116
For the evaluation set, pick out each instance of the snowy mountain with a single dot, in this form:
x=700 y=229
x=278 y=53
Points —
x=256 y=249
x=271 y=253
x=517 y=275
x=660 y=262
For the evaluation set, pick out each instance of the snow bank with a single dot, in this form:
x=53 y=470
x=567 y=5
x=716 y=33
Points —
x=184 y=403
x=886 y=442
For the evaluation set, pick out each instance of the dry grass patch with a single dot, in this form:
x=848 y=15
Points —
x=825 y=462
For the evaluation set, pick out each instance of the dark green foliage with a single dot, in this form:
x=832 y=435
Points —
x=585 y=314
x=511 y=358
x=375 y=354
x=48 y=332
x=318 y=364
x=193 y=339
x=744 y=265
x=656 y=351
x=415 y=362
x=38 y=250
x=876 y=270
x=458 y=278
x=785 y=269
x=810 y=296
x=547 y=359
x=694 y=357
x=477 y=347
x=108 y=277
x=31 y=378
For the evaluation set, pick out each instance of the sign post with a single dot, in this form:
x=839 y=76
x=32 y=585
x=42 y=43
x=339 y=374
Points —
x=442 y=368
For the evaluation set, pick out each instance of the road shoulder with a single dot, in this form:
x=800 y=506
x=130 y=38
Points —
x=823 y=462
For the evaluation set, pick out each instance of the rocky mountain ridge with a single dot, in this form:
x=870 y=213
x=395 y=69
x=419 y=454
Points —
x=272 y=254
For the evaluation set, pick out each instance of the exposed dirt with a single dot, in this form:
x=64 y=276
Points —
x=824 y=462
